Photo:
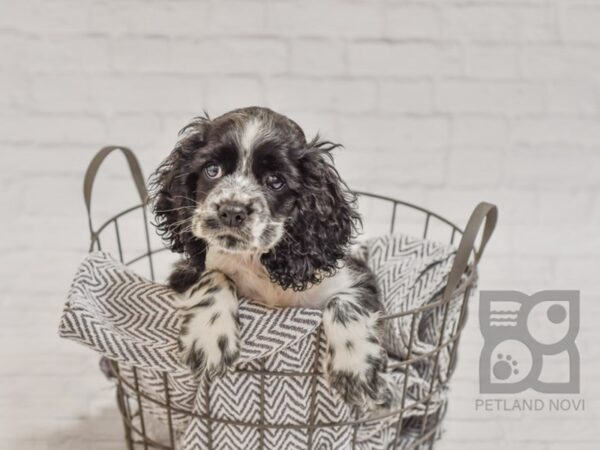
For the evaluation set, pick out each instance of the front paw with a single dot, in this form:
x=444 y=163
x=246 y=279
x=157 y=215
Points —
x=209 y=337
x=362 y=384
x=212 y=354
x=355 y=361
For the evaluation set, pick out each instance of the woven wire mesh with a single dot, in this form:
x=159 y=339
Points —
x=132 y=400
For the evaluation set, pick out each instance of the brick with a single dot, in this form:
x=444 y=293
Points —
x=12 y=192
x=406 y=96
x=577 y=272
x=226 y=93
x=490 y=97
x=33 y=204
x=53 y=129
x=480 y=132
x=303 y=94
x=493 y=61
x=596 y=209
x=361 y=164
x=481 y=432
x=554 y=430
x=46 y=17
x=575 y=446
x=52 y=277
x=412 y=21
x=148 y=93
x=181 y=18
x=574 y=97
x=229 y=56
x=582 y=241
x=516 y=206
x=237 y=18
x=300 y=94
x=512 y=271
x=580 y=24
x=70 y=54
x=409 y=59
x=317 y=57
x=449 y=442
x=14 y=90
x=475 y=168
x=354 y=96
x=15 y=51
x=565 y=208
x=60 y=93
x=406 y=135
x=137 y=131
x=13 y=84
x=561 y=62
x=142 y=54
x=348 y=19
x=500 y=23
x=557 y=130
x=30 y=160
x=563 y=168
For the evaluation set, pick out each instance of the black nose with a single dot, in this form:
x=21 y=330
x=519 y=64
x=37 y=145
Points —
x=232 y=214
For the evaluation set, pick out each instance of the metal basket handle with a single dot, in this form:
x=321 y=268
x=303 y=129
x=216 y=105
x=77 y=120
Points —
x=482 y=212
x=92 y=171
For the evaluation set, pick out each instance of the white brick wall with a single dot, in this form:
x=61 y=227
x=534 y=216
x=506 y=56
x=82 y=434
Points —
x=444 y=103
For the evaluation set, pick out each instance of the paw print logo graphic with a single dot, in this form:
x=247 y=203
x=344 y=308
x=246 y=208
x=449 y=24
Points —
x=503 y=368
x=529 y=342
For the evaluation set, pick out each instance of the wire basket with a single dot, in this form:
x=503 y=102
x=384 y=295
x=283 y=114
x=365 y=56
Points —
x=387 y=212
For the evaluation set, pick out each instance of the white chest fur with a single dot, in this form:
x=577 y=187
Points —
x=252 y=281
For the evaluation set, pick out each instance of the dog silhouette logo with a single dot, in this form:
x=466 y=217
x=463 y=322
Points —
x=529 y=342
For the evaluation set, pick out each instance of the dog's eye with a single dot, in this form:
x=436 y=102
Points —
x=213 y=170
x=274 y=182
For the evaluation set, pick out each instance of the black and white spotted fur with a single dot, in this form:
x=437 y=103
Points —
x=258 y=211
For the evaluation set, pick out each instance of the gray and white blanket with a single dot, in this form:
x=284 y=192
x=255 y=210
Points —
x=132 y=320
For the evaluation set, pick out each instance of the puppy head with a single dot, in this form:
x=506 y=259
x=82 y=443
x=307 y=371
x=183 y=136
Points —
x=249 y=182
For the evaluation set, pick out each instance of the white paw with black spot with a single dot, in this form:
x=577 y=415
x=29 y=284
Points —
x=355 y=360
x=209 y=337
x=363 y=386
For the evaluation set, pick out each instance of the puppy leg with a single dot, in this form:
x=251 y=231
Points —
x=209 y=337
x=355 y=360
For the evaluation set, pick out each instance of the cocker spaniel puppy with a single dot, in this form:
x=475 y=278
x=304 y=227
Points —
x=259 y=212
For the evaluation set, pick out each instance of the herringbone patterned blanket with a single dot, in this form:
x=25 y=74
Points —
x=131 y=320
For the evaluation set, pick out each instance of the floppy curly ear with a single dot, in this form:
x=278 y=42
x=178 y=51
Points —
x=172 y=196
x=322 y=225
